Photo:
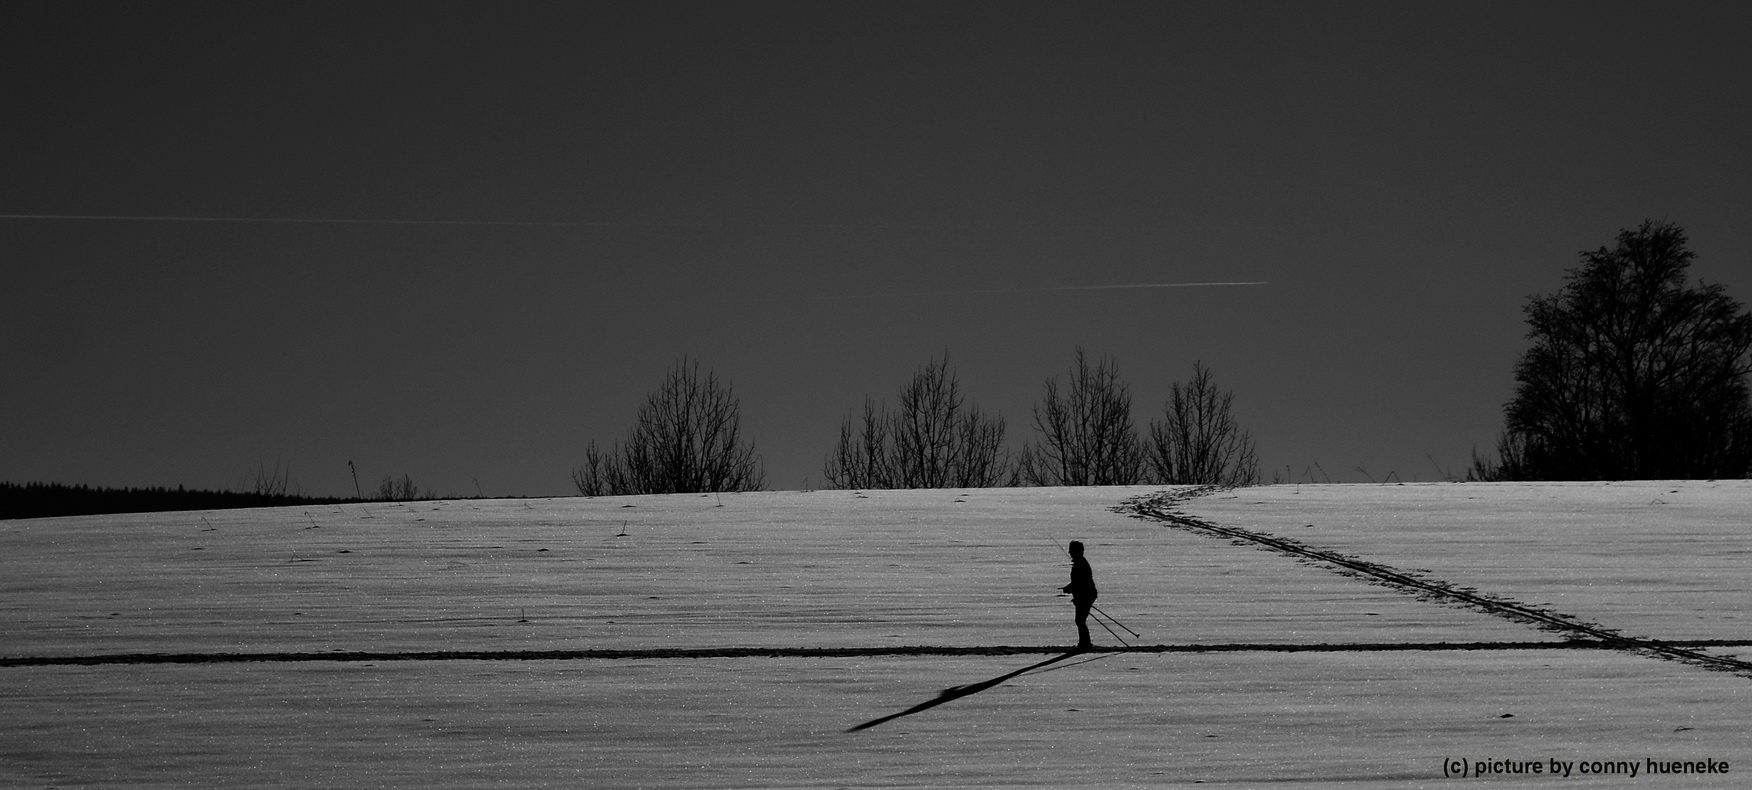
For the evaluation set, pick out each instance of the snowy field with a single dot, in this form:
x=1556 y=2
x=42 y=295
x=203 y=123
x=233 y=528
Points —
x=731 y=641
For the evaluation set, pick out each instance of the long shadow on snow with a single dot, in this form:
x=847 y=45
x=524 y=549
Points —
x=957 y=692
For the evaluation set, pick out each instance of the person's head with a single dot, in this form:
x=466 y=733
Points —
x=1076 y=548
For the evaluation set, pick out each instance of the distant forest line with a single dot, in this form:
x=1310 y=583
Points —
x=47 y=500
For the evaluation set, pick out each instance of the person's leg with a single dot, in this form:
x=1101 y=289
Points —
x=1083 y=624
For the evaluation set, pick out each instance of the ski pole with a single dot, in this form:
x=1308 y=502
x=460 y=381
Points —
x=1111 y=631
x=1115 y=622
x=1116 y=636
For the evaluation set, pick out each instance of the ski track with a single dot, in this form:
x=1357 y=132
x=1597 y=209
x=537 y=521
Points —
x=820 y=652
x=1162 y=508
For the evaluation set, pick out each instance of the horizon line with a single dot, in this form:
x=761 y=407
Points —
x=537 y=223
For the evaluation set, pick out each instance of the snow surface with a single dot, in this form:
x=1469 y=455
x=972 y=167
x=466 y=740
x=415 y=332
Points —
x=882 y=570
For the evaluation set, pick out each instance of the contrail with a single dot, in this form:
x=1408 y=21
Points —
x=540 y=224
x=969 y=292
x=1073 y=288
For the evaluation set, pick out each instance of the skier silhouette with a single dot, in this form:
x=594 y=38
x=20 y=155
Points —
x=1083 y=594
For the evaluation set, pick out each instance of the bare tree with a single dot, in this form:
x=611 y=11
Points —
x=403 y=490
x=1633 y=373
x=933 y=439
x=1087 y=438
x=1510 y=463
x=271 y=483
x=860 y=457
x=686 y=439
x=1198 y=441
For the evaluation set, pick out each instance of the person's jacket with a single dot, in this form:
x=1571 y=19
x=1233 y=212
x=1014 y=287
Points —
x=1082 y=586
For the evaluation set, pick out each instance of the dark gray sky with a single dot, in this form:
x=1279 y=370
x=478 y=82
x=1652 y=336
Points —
x=751 y=184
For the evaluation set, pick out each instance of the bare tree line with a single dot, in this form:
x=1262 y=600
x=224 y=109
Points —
x=934 y=438
x=687 y=438
x=1633 y=372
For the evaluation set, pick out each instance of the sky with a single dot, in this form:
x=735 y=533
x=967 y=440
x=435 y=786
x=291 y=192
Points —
x=460 y=241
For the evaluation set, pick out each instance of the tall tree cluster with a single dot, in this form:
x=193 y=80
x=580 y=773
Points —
x=1633 y=372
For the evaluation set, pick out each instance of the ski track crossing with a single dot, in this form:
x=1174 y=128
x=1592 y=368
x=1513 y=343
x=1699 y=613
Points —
x=1160 y=507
